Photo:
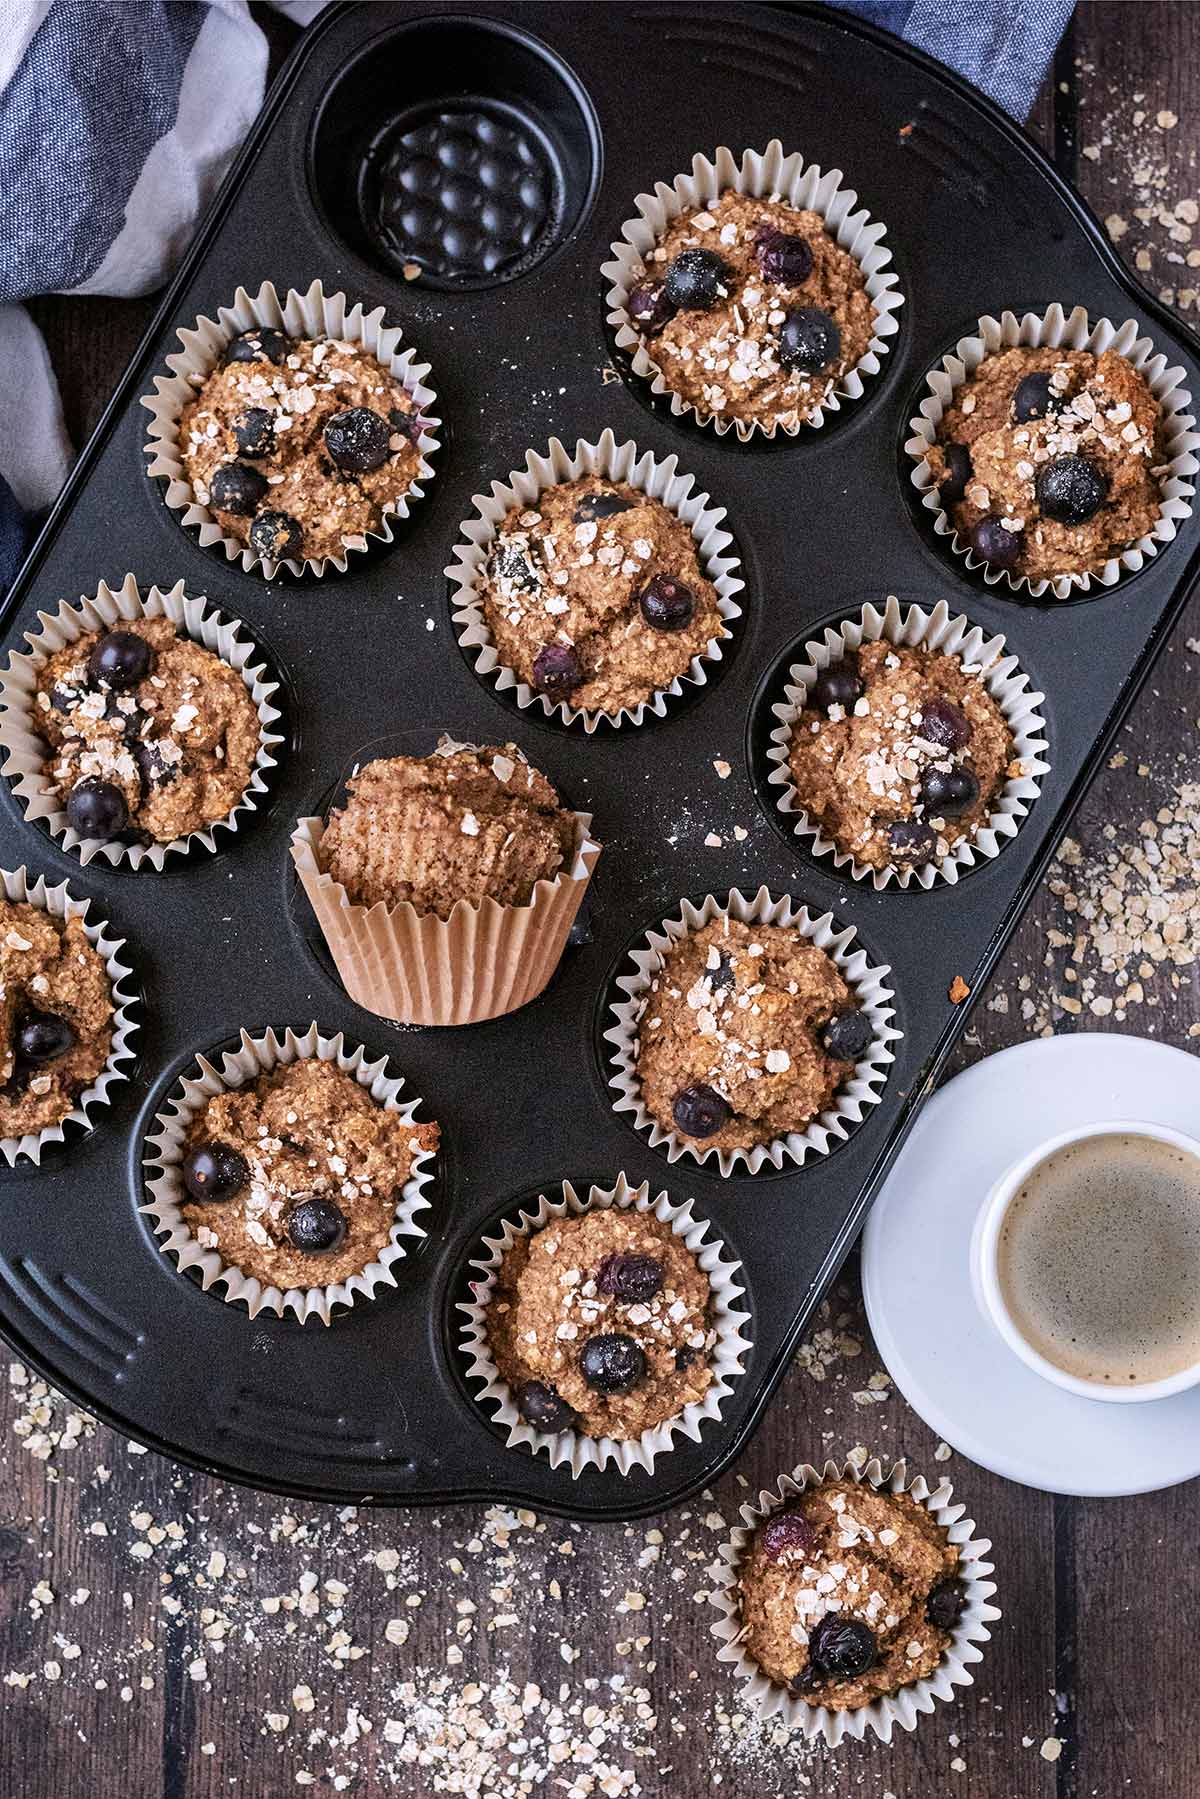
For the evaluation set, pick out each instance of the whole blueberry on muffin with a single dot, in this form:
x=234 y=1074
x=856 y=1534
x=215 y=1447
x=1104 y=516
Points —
x=601 y=1323
x=56 y=1013
x=151 y=736
x=745 y=1035
x=300 y=446
x=1048 y=461
x=752 y=310
x=848 y=1594
x=295 y=1177
x=899 y=754
x=465 y=823
x=594 y=595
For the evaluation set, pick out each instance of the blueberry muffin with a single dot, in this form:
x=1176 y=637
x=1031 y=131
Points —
x=601 y=1323
x=899 y=754
x=752 y=311
x=150 y=735
x=463 y=824
x=56 y=1013
x=848 y=1594
x=300 y=446
x=295 y=1177
x=1048 y=461
x=745 y=1035
x=594 y=595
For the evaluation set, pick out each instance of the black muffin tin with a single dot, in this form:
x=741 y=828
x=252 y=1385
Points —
x=583 y=107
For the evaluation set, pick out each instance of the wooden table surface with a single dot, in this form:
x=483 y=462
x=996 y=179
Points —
x=164 y=1634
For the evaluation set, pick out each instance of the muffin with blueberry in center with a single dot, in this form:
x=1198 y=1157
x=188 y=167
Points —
x=899 y=754
x=300 y=446
x=56 y=1013
x=1048 y=461
x=151 y=735
x=295 y=1177
x=601 y=1323
x=752 y=310
x=745 y=1035
x=848 y=1594
x=594 y=594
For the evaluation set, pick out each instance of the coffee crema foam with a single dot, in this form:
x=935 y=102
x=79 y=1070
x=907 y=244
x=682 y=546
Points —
x=1098 y=1259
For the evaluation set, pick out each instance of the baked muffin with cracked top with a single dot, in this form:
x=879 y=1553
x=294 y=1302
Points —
x=594 y=595
x=465 y=823
x=1048 y=460
x=848 y=1593
x=752 y=310
x=601 y=1323
x=56 y=1013
x=899 y=754
x=746 y=1033
x=299 y=446
x=295 y=1177
x=151 y=735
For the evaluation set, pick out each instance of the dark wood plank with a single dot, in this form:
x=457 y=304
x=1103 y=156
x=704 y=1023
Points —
x=1116 y=1578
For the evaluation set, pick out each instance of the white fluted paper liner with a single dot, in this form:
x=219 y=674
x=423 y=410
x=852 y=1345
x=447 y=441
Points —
x=1060 y=330
x=611 y=461
x=481 y=962
x=313 y=314
x=26 y=753
x=59 y=902
x=165 y=1150
x=867 y=983
x=766 y=175
x=572 y=1449
x=770 y=1700
x=951 y=635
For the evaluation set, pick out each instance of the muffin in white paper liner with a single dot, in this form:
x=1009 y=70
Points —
x=59 y=902
x=867 y=983
x=313 y=314
x=164 y=1151
x=611 y=461
x=571 y=1448
x=950 y=634
x=766 y=175
x=1059 y=330
x=768 y=1698
x=26 y=752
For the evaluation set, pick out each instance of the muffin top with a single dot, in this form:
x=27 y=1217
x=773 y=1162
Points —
x=848 y=1593
x=151 y=734
x=299 y=446
x=295 y=1177
x=594 y=595
x=600 y=1323
x=752 y=310
x=56 y=1013
x=462 y=824
x=746 y=1033
x=899 y=754
x=1048 y=460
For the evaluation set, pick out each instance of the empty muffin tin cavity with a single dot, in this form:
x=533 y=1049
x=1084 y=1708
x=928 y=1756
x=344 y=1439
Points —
x=458 y=151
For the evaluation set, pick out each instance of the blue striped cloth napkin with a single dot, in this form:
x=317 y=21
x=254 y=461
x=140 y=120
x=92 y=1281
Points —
x=118 y=119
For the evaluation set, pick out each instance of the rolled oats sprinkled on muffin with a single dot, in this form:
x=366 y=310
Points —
x=151 y=736
x=602 y=1323
x=594 y=595
x=56 y=1013
x=300 y=446
x=295 y=1177
x=465 y=823
x=745 y=1035
x=752 y=310
x=1049 y=461
x=899 y=754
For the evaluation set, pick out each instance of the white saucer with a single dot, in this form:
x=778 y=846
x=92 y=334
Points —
x=947 y=1359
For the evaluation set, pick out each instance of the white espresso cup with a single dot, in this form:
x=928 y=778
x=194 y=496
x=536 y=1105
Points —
x=986 y=1260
